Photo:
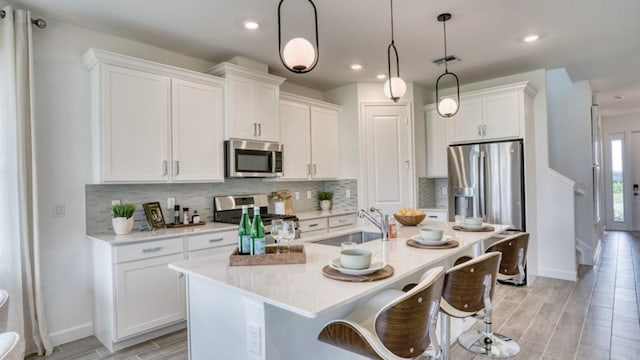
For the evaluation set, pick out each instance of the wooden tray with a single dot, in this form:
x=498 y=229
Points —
x=275 y=255
x=332 y=273
x=185 y=225
x=450 y=245
x=485 y=229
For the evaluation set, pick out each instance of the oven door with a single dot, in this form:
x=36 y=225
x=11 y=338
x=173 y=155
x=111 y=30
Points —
x=252 y=159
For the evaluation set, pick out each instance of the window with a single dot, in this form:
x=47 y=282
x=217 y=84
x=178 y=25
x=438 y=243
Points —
x=617 y=180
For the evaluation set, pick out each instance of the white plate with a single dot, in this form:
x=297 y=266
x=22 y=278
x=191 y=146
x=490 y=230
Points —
x=376 y=265
x=445 y=240
x=473 y=227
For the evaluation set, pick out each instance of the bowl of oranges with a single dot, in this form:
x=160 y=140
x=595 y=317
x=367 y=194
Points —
x=409 y=216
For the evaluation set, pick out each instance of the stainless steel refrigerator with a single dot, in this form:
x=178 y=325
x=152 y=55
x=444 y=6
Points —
x=487 y=180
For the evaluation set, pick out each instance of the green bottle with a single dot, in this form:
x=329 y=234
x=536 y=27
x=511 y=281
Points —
x=257 y=233
x=244 y=233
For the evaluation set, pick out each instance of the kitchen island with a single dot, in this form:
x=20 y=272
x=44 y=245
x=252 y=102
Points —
x=277 y=311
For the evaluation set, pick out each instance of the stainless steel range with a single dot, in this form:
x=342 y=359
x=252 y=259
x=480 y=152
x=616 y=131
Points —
x=228 y=209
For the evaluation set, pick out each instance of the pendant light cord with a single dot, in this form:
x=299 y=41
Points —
x=392 y=41
x=444 y=27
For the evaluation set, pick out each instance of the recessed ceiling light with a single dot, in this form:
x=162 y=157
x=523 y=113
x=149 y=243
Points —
x=618 y=97
x=251 y=25
x=356 y=67
x=381 y=76
x=531 y=38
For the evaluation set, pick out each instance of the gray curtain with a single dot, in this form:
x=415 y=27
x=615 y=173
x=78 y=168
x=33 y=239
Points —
x=19 y=238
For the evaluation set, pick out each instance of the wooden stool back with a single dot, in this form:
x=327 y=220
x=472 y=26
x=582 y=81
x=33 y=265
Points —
x=510 y=247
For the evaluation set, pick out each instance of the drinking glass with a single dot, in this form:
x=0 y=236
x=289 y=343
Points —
x=288 y=232
x=276 y=231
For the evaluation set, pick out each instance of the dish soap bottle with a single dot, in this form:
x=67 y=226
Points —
x=393 y=228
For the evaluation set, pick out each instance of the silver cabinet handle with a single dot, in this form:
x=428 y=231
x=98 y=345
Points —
x=433 y=216
x=314 y=169
x=164 y=167
x=181 y=276
x=150 y=250
x=479 y=130
x=342 y=221
x=484 y=129
x=255 y=129
x=313 y=225
x=177 y=166
x=308 y=169
x=259 y=129
x=215 y=240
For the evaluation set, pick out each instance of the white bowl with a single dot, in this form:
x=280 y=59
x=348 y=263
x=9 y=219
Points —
x=355 y=258
x=431 y=234
x=473 y=221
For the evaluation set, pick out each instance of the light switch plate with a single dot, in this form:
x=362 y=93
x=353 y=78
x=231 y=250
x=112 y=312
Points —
x=443 y=191
x=308 y=194
x=254 y=339
x=171 y=203
x=296 y=195
x=348 y=194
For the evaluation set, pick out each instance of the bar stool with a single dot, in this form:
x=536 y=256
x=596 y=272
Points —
x=514 y=258
x=392 y=324
x=4 y=310
x=468 y=289
x=10 y=348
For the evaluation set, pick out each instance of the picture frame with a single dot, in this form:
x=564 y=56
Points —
x=153 y=211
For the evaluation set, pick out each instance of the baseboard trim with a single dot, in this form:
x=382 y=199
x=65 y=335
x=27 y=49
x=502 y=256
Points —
x=71 y=334
x=558 y=274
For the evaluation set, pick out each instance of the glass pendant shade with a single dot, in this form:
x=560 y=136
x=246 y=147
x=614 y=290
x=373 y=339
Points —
x=447 y=107
x=396 y=86
x=298 y=54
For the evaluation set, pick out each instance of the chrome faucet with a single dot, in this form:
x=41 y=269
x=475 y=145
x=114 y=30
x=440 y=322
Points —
x=383 y=224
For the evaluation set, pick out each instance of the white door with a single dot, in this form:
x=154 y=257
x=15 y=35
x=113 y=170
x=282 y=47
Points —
x=197 y=125
x=324 y=143
x=389 y=164
x=634 y=171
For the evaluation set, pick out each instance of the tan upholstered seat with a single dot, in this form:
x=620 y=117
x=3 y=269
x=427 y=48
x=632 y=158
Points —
x=468 y=289
x=514 y=257
x=10 y=346
x=4 y=310
x=392 y=324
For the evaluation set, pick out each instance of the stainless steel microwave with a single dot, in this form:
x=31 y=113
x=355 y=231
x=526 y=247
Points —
x=247 y=158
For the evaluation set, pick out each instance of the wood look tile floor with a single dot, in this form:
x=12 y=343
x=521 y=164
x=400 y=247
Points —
x=596 y=317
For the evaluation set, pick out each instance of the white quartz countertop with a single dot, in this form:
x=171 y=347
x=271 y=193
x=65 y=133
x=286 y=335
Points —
x=307 y=215
x=303 y=289
x=140 y=236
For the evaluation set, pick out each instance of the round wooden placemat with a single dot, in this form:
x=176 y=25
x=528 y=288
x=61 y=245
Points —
x=332 y=273
x=484 y=229
x=449 y=245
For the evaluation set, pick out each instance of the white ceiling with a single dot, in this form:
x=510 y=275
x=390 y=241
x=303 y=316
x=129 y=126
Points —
x=595 y=40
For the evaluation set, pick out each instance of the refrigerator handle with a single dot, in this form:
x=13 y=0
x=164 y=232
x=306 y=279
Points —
x=482 y=185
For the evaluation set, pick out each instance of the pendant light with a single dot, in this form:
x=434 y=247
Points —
x=447 y=106
x=394 y=87
x=298 y=55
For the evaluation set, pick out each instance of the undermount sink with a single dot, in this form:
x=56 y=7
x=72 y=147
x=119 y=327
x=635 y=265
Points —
x=359 y=237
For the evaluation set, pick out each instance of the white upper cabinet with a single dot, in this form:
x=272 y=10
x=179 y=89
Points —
x=153 y=122
x=251 y=103
x=437 y=142
x=309 y=133
x=492 y=114
x=197 y=138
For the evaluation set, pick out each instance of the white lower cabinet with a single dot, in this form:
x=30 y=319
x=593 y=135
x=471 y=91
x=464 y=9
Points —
x=210 y=244
x=436 y=214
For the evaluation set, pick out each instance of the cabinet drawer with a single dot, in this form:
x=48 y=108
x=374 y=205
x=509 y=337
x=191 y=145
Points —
x=342 y=220
x=147 y=250
x=312 y=224
x=225 y=249
x=205 y=241
x=436 y=215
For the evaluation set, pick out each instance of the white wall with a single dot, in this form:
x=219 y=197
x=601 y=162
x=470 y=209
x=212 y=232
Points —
x=570 y=150
x=63 y=163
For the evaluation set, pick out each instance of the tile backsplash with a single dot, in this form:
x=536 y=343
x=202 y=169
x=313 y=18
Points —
x=200 y=197
x=430 y=193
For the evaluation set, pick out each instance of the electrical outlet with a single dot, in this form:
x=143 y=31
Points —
x=308 y=194
x=348 y=194
x=115 y=202
x=443 y=191
x=171 y=203
x=255 y=338
x=296 y=195
x=59 y=210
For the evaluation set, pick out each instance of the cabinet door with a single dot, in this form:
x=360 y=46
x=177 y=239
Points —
x=466 y=123
x=295 y=127
x=148 y=295
x=325 y=155
x=437 y=144
x=241 y=99
x=501 y=114
x=197 y=126
x=267 y=118
x=135 y=125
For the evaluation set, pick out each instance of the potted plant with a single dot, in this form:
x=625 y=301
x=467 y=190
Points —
x=325 y=198
x=122 y=218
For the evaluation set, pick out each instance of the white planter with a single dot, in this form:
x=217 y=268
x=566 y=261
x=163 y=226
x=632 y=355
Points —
x=325 y=204
x=122 y=226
